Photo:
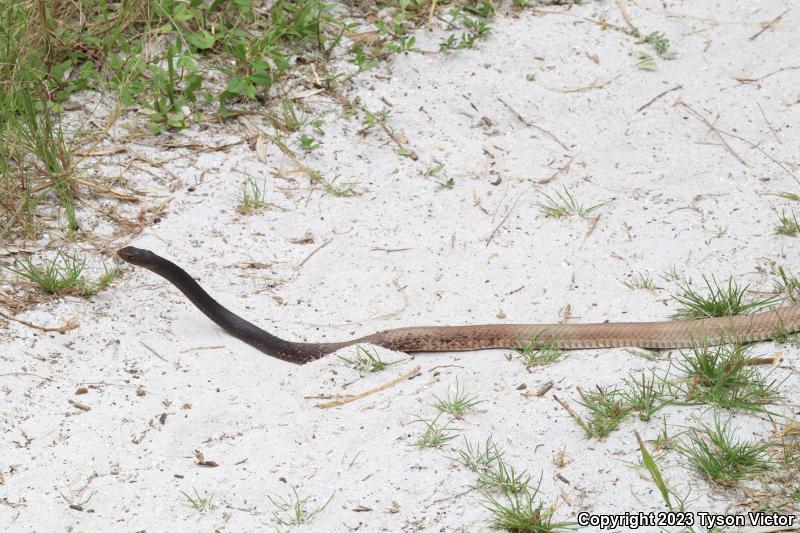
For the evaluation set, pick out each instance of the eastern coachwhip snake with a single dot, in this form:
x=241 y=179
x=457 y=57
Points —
x=675 y=334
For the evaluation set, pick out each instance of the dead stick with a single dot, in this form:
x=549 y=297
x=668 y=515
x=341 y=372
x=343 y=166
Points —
x=489 y=240
x=762 y=361
x=532 y=125
x=768 y=25
x=764 y=115
x=392 y=383
x=624 y=12
x=152 y=351
x=714 y=130
x=656 y=97
x=309 y=256
x=29 y=374
x=69 y=325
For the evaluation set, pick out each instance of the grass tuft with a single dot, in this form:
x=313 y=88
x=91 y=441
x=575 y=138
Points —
x=565 y=205
x=719 y=456
x=788 y=286
x=251 y=197
x=788 y=225
x=366 y=362
x=436 y=434
x=639 y=281
x=535 y=352
x=294 y=510
x=63 y=274
x=720 y=375
x=457 y=402
x=507 y=492
x=201 y=504
x=645 y=396
x=720 y=300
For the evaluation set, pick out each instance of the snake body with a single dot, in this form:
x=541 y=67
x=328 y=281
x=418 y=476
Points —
x=673 y=334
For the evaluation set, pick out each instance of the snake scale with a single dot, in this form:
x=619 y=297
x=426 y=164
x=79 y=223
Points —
x=671 y=334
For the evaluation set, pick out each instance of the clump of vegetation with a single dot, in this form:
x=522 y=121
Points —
x=507 y=493
x=457 y=402
x=565 y=205
x=721 y=457
x=366 y=361
x=63 y=274
x=177 y=60
x=721 y=375
x=436 y=433
x=788 y=286
x=788 y=225
x=639 y=281
x=201 y=504
x=719 y=300
x=535 y=352
x=294 y=510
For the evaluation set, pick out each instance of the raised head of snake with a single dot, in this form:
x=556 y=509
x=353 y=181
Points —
x=670 y=334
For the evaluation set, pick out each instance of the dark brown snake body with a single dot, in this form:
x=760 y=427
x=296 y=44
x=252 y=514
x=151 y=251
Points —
x=675 y=334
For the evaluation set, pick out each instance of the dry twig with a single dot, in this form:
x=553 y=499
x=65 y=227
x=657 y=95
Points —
x=69 y=325
x=407 y=375
x=768 y=25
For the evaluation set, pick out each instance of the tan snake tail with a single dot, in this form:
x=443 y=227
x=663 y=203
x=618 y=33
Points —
x=671 y=334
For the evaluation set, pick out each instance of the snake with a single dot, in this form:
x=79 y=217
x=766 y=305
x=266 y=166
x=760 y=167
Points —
x=686 y=333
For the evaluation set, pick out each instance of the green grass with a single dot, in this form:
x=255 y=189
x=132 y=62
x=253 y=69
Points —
x=645 y=395
x=719 y=300
x=479 y=460
x=338 y=188
x=535 y=352
x=565 y=205
x=604 y=408
x=75 y=501
x=63 y=274
x=201 y=504
x=523 y=513
x=722 y=458
x=457 y=402
x=712 y=375
x=507 y=492
x=649 y=462
x=251 y=197
x=211 y=55
x=294 y=510
x=788 y=225
x=788 y=286
x=639 y=281
x=720 y=375
x=366 y=362
x=436 y=434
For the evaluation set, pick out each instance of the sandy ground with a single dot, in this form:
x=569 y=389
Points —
x=407 y=251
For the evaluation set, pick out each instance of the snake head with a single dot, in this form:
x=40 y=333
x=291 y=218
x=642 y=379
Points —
x=137 y=256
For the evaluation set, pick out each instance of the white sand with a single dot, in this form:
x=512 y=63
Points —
x=680 y=199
